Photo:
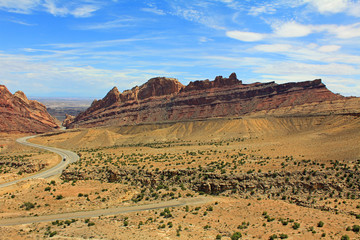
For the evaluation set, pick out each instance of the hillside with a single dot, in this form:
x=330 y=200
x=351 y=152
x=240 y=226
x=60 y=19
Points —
x=166 y=99
x=18 y=114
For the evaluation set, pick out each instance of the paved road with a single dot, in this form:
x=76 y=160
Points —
x=70 y=158
x=104 y=212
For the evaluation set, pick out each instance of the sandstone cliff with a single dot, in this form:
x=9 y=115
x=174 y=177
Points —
x=166 y=99
x=21 y=115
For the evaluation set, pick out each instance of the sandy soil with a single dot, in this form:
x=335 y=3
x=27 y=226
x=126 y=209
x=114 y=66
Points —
x=269 y=144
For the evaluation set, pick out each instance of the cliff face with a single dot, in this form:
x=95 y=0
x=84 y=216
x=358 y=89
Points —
x=21 y=115
x=166 y=99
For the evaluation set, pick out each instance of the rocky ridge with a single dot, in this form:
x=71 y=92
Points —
x=18 y=114
x=166 y=99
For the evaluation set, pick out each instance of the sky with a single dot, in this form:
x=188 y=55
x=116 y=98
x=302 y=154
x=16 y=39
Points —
x=82 y=48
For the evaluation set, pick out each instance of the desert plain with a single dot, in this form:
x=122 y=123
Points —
x=291 y=177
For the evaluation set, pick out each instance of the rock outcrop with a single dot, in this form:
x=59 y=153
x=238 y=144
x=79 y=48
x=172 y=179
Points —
x=166 y=99
x=68 y=119
x=18 y=114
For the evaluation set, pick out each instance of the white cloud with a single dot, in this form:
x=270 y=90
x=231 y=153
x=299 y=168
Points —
x=354 y=9
x=349 y=7
x=286 y=68
x=19 y=6
x=329 y=6
x=76 y=10
x=198 y=13
x=27 y=73
x=257 y=10
x=310 y=52
x=291 y=29
x=80 y=8
x=245 y=36
x=329 y=48
x=51 y=7
x=84 y=11
x=342 y=31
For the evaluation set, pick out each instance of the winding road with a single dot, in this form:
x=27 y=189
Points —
x=68 y=155
x=73 y=157
x=104 y=212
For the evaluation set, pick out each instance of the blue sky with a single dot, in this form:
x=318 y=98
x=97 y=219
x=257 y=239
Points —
x=82 y=48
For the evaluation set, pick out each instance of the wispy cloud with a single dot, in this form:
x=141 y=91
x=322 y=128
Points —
x=245 y=36
x=17 y=21
x=19 y=6
x=79 y=8
x=101 y=44
x=153 y=10
x=22 y=72
x=263 y=9
x=198 y=13
x=118 y=23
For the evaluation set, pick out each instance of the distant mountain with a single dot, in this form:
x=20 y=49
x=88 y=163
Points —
x=166 y=99
x=61 y=107
x=18 y=114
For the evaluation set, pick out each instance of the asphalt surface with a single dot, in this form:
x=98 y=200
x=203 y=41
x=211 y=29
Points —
x=70 y=158
x=104 y=212
x=68 y=155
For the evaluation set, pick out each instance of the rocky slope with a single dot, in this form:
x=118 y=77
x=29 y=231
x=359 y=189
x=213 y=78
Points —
x=166 y=99
x=21 y=115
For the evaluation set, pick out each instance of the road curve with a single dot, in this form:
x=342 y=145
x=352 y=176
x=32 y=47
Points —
x=104 y=212
x=68 y=155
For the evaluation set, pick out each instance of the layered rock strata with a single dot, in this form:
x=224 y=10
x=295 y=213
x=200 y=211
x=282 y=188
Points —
x=18 y=114
x=166 y=99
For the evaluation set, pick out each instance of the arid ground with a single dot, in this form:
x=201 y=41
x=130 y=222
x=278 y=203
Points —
x=284 y=177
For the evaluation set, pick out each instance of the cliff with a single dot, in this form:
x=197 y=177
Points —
x=166 y=99
x=18 y=114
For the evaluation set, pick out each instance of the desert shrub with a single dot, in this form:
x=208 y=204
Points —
x=296 y=225
x=345 y=237
x=272 y=237
x=283 y=236
x=207 y=227
x=320 y=224
x=356 y=228
x=166 y=213
x=236 y=236
x=59 y=197
x=28 y=205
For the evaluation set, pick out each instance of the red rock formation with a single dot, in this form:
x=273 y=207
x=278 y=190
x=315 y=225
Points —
x=68 y=120
x=21 y=115
x=166 y=99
